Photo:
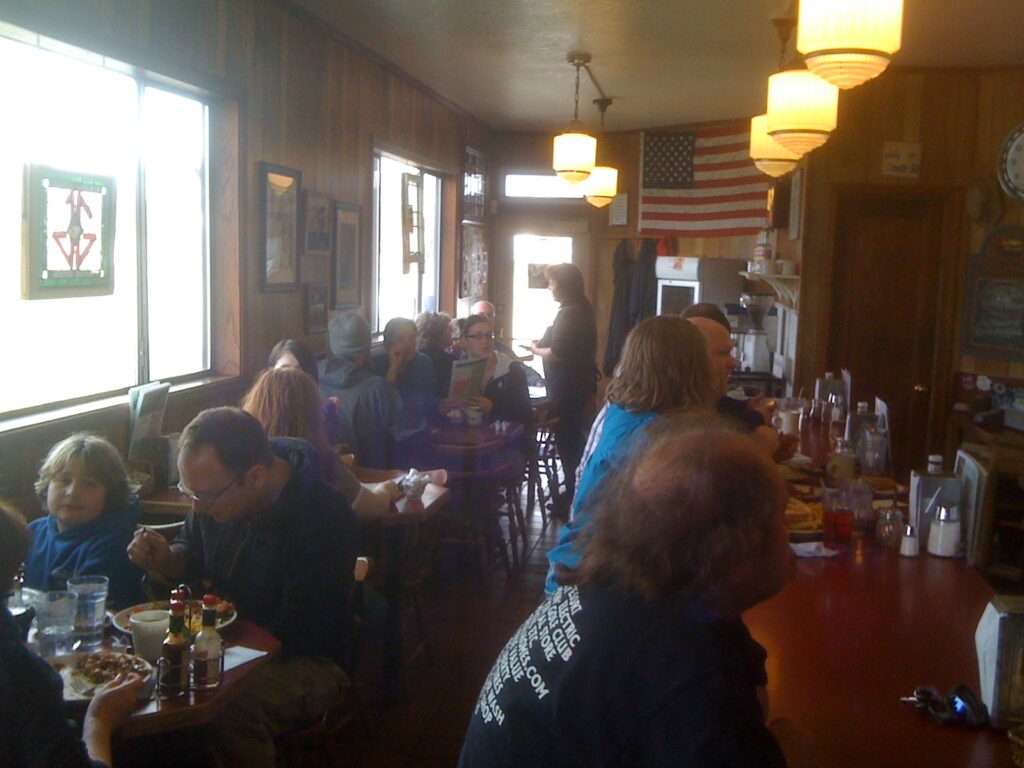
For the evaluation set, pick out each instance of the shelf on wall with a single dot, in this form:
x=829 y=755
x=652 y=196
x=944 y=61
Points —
x=787 y=287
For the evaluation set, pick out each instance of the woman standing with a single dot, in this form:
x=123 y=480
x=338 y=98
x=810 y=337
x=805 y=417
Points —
x=664 y=369
x=568 y=349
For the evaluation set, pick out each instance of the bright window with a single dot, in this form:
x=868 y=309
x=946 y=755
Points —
x=536 y=185
x=74 y=111
x=408 y=211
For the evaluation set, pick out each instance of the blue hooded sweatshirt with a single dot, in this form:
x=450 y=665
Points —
x=96 y=548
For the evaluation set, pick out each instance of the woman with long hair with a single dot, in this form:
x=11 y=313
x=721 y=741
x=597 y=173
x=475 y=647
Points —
x=287 y=403
x=568 y=349
x=664 y=369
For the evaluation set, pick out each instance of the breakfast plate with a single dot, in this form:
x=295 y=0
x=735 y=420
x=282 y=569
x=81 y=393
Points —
x=122 y=619
x=82 y=673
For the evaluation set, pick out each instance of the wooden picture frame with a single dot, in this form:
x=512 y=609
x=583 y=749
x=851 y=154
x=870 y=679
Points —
x=280 y=243
x=473 y=261
x=318 y=223
x=315 y=302
x=345 y=266
x=994 y=301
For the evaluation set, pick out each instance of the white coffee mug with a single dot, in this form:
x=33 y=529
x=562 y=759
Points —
x=148 y=631
x=474 y=415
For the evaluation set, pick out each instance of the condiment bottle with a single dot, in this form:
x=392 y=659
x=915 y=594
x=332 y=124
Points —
x=174 y=654
x=944 y=532
x=206 y=649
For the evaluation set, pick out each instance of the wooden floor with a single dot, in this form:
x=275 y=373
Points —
x=469 y=621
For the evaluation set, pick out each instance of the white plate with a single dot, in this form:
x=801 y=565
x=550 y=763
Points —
x=67 y=666
x=122 y=623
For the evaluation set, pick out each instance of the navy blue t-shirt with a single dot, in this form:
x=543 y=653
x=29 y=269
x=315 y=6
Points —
x=597 y=678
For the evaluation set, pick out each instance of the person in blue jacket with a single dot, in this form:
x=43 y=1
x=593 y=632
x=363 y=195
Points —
x=92 y=518
x=664 y=369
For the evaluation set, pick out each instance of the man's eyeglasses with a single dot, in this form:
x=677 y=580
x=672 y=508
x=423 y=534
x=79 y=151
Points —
x=480 y=336
x=204 y=500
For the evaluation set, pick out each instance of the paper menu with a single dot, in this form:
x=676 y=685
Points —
x=467 y=379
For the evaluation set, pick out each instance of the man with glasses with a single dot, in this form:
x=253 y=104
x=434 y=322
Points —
x=267 y=533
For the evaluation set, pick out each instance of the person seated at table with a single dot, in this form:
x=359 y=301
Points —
x=754 y=415
x=505 y=396
x=411 y=373
x=286 y=402
x=292 y=353
x=433 y=339
x=664 y=369
x=641 y=656
x=270 y=535
x=367 y=404
x=456 y=348
x=34 y=729
x=92 y=515
x=488 y=310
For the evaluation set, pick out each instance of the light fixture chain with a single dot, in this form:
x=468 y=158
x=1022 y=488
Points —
x=576 y=109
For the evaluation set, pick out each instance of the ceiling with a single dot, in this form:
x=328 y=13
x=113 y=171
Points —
x=664 y=62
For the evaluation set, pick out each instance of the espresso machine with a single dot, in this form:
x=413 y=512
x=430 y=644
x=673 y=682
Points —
x=755 y=354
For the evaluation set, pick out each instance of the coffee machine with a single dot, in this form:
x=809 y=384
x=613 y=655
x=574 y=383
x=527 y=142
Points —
x=755 y=355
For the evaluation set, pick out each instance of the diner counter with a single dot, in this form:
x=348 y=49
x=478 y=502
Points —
x=850 y=635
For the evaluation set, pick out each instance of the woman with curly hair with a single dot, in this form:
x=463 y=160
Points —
x=664 y=369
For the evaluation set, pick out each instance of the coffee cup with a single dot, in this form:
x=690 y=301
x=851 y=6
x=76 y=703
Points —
x=474 y=415
x=148 y=631
x=786 y=266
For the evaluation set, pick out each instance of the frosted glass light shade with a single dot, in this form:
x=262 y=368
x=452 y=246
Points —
x=848 y=42
x=768 y=155
x=802 y=109
x=602 y=186
x=574 y=156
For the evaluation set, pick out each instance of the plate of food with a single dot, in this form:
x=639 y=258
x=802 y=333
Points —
x=83 y=673
x=226 y=614
x=804 y=520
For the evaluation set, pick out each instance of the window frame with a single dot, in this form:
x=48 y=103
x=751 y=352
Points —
x=222 y=238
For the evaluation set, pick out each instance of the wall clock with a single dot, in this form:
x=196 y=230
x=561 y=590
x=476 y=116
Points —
x=1011 y=164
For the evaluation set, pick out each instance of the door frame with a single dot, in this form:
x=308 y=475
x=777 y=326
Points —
x=819 y=273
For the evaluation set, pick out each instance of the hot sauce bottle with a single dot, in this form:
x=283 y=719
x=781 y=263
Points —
x=174 y=655
x=206 y=649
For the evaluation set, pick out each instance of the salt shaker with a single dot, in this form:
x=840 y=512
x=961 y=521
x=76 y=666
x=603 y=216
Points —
x=908 y=546
x=944 y=533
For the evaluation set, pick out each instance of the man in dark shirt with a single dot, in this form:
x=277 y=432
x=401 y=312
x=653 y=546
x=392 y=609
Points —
x=644 y=660
x=266 y=532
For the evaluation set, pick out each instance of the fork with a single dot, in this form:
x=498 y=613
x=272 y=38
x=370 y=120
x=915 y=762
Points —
x=83 y=688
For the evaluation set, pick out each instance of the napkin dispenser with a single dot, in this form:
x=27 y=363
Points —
x=999 y=640
x=162 y=453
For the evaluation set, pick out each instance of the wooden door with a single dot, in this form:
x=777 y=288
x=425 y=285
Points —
x=887 y=304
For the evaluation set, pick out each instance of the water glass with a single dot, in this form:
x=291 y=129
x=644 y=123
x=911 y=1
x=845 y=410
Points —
x=55 y=619
x=860 y=494
x=92 y=609
x=837 y=517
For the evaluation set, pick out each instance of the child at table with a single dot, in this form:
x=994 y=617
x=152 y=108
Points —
x=92 y=518
x=33 y=726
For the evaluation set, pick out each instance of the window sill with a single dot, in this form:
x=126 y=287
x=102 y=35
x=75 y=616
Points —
x=17 y=423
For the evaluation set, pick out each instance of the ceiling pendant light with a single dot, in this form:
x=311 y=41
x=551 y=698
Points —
x=575 y=151
x=768 y=155
x=802 y=110
x=848 y=42
x=602 y=186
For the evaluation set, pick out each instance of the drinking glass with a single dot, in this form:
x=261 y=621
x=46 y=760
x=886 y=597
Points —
x=837 y=517
x=860 y=494
x=55 y=619
x=92 y=608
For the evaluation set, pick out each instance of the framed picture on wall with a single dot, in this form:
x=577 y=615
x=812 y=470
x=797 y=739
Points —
x=994 y=302
x=345 y=265
x=318 y=218
x=280 y=189
x=473 y=185
x=314 y=308
x=473 y=261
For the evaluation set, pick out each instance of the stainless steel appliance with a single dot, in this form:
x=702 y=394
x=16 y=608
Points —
x=755 y=355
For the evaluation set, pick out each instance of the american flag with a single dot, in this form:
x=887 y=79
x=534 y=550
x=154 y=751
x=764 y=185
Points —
x=702 y=183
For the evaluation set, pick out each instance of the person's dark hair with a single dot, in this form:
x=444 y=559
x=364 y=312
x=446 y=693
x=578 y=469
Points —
x=236 y=437
x=570 y=282
x=301 y=352
x=709 y=312
x=14 y=543
x=693 y=505
x=664 y=367
x=469 y=322
x=431 y=328
x=98 y=457
x=394 y=325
